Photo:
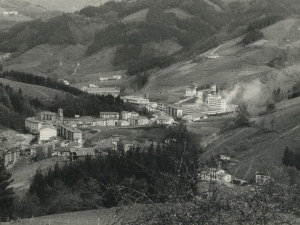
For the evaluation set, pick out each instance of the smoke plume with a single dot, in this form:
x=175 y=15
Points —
x=251 y=93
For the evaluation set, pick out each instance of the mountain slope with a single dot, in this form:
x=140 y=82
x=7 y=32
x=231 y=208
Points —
x=66 y=5
x=236 y=64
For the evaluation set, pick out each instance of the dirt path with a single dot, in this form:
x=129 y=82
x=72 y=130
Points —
x=230 y=138
x=287 y=133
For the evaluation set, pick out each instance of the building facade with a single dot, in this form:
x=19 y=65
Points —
x=109 y=115
x=138 y=121
x=191 y=91
x=101 y=91
x=136 y=100
x=174 y=111
x=70 y=133
x=46 y=133
x=216 y=102
x=33 y=125
x=46 y=116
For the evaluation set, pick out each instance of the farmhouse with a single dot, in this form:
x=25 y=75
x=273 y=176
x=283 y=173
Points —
x=191 y=91
x=224 y=157
x=165 y=120
x=214 y=174
x=261 y=177
x=116 y=77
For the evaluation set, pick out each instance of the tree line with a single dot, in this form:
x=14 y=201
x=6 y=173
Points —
x=15 y=107
x=115 y=179
x=27 y=35
x=291 y=159
x=39 y=80
x=163 y=179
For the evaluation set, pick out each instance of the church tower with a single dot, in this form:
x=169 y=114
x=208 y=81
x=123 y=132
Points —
x=60 y=115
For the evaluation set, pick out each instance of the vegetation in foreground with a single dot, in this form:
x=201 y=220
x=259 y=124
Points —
x=165 y=178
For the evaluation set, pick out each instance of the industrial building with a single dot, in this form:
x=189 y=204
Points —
x=216 y=102
x=114 y=91
x=136 y=100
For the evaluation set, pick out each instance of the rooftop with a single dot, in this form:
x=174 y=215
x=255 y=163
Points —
x=48 y=113
x=70 y=128
x=101 y=89
x=85 y=151
x=33 y=120
x=109 y=113
x=62 y=149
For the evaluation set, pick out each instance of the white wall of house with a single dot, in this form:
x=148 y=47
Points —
x=47 y=133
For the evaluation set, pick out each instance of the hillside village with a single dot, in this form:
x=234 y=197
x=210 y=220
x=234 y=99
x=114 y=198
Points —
x=60 y=136
x=130 y=103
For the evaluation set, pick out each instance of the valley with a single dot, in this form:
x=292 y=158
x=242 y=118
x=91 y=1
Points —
x=179 y=106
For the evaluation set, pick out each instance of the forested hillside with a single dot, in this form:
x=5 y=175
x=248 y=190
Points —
x=180 y=28
x=25 y=36
x=16 y=107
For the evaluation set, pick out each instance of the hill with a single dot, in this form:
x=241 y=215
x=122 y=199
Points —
x=193 y=26
x=236 y=65
x=65 y=6
x=253 y=148
x=33 y=91
x=13 y=12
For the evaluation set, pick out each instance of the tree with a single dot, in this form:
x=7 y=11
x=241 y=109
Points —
x=243 y=116
x=6 y=193
x=270 y=107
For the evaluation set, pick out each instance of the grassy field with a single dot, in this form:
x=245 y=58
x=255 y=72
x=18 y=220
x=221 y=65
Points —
x=131 y=214
x=179 y=13
x=13 y=139
x=24 y=170
x=33 y=91
x=236 y=65
x=66 y=6
x=128 y=133
x=136 y=17
x=263 y=148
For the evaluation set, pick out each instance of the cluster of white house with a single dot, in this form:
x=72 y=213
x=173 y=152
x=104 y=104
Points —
x=219 y=175
x=114 y=77
x=49 y=124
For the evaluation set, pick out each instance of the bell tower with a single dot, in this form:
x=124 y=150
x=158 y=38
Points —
x=60 y=115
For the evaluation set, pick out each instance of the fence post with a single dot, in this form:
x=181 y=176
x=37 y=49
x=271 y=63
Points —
x=49 y=221
x=78 y=221
x=98 y=221
x=68 y=221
